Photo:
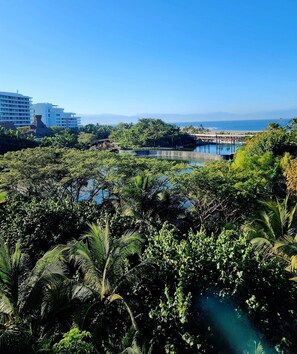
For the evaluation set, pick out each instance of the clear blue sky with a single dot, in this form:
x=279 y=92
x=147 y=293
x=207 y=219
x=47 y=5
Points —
x=162 y=56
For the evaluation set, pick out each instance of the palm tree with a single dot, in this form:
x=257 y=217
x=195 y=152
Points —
x=139 y=196
x=286 y=247
x=102 y=262
x=275 y=232
x=21 y=295
x=275 y=223
x=147 y=200
x=136 y=345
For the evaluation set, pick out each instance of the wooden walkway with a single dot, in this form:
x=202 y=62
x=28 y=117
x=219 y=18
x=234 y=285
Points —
x=223 y=138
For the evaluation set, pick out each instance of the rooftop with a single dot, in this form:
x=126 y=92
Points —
x=12 y=94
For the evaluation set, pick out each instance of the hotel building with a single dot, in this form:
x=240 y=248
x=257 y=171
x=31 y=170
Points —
x=15 y=108
x=52 y=115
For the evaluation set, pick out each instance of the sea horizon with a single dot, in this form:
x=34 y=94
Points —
x=252 y=125
x=236 y=125
x=189 y=119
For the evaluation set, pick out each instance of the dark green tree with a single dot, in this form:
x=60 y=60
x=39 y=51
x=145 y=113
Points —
x=22 y=296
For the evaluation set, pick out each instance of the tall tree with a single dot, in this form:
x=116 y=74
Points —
x=102 y=262
x=21 y=296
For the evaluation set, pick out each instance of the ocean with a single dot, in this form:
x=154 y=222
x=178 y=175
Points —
x=249 y=125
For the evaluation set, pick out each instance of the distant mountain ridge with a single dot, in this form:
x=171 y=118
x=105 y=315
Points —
x=194 y=117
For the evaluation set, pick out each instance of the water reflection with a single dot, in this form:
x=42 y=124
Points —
x=219 y=149
x=200 y=162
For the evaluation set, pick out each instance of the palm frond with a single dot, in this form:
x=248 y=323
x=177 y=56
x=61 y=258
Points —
x=14 y=339
x=102 y=259
x=114 y=297
x=5 y=265
x=6 y=307
x=259 y=349
x=294 y=263
x=88 y=263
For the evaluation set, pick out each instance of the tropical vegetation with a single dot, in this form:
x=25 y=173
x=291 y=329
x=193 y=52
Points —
x=110 y=253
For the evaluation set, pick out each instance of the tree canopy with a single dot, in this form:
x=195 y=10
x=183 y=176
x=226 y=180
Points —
x=149 y=132
x=110 y=253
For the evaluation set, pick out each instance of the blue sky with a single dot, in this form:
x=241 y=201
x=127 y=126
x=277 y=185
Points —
x=158 y=56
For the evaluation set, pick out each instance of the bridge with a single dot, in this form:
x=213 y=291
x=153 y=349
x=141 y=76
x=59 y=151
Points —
x=227 y=138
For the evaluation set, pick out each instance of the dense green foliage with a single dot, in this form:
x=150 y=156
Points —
x=204 y=274
x=150 y=133
x=62 y=138
x=74 y=342
x=41 y=224
x=13 y=140
x=190 y=129
x=111 y=253
x=81 y=138
x=98 y=131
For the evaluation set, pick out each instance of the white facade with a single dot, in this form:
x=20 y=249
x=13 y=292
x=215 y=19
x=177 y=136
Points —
x=54 y=116
x=15 y=108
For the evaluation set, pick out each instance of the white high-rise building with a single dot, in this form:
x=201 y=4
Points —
x=15 y=108
x=54 y=116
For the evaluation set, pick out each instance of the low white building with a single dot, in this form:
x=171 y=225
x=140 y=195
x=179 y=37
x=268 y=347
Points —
x=54 y=116
x=15 y=108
